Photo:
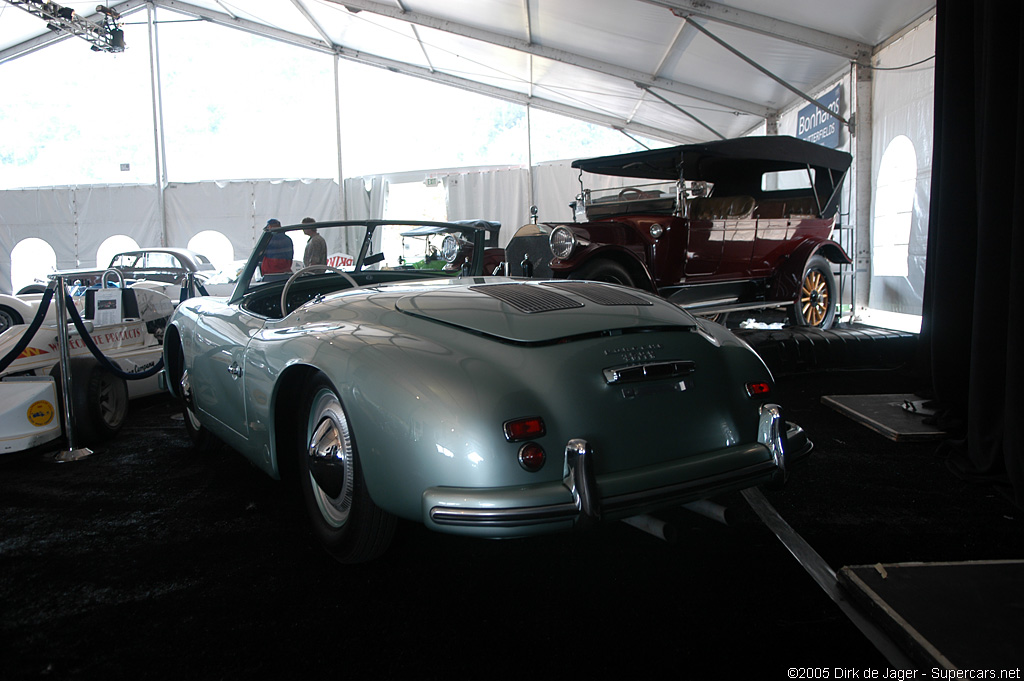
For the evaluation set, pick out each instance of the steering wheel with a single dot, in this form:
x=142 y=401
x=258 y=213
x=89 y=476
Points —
x=307 y=270
x=633 y=194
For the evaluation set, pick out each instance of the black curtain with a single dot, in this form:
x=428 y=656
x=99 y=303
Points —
x=974 y=282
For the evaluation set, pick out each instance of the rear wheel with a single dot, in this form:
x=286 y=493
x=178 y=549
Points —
x=606 y=271
x=344 y=518
x=99 y=400
x=815 y=302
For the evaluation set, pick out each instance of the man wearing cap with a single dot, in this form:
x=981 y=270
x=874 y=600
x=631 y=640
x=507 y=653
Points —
x=316 y=247
x=277 y=259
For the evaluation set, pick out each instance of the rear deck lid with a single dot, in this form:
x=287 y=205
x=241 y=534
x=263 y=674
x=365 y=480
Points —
x=537 y=312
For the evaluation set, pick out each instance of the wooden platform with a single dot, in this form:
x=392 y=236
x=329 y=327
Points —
x=966 y=615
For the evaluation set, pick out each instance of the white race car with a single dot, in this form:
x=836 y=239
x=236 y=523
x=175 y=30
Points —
x=125 y=325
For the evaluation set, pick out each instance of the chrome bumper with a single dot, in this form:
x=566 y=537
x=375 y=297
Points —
x=577 y=501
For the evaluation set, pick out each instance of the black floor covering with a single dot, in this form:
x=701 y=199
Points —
x=147 y=561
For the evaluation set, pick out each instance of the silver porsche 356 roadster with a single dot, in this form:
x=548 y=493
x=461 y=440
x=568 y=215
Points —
x=477 y=405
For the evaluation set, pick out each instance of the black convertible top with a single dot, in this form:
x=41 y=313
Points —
x=735 y=167
x=707 y=160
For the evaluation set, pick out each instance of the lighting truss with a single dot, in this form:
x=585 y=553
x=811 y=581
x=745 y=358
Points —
x=105 y=35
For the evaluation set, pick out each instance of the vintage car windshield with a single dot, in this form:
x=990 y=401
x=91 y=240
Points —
x=369 y=246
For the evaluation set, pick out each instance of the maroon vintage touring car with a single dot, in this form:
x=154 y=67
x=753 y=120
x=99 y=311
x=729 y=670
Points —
x=727 y=225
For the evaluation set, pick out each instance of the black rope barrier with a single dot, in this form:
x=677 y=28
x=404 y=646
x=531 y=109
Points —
x=33 y=327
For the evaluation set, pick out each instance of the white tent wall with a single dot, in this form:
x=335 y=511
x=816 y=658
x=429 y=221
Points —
x=225 y=207
x=74 y=221
x=364 y=197
x=904 y=107
x=555 y=185
x=499 y=195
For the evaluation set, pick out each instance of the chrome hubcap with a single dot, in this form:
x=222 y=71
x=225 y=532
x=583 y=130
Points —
x=186 y=395
x=329 y=458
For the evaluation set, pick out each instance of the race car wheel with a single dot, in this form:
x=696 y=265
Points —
x=99 y=400
x=815 y=302
x=9 y=318
x=344 y=518
x=607 y=271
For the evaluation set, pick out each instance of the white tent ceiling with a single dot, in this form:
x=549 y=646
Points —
x=677 y=70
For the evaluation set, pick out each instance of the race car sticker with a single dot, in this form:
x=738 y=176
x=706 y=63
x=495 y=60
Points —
x=40 y=413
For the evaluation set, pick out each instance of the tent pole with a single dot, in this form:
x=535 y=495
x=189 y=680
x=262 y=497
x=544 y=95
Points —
x=337 y=123
x=160 y=150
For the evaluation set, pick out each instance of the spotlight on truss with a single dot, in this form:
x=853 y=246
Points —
x=104 y=35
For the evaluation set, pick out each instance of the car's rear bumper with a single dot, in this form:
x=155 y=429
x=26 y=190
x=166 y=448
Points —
x=583 y=497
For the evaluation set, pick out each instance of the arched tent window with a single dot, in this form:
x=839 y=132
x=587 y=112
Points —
x=894 y=206
x=113 y=245
x=214 y=246
x=31 y=260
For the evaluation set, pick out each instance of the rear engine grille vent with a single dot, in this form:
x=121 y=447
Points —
x=597 y=293
x=527 y=298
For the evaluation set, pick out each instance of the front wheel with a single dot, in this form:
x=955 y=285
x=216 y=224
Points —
x=8 y=318
x=607 y=271
x=344 y=518
x=815 y=303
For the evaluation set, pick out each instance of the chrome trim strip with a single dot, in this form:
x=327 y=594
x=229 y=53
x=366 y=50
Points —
x=649 y=371
x=512 y=517
x=504 y=517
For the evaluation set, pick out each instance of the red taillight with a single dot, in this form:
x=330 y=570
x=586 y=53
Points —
x=524 y=429
x=758 y=389
x=531 y=456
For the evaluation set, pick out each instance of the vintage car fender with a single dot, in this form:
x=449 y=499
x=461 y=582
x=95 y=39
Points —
x=786 y=282
x=626 y=248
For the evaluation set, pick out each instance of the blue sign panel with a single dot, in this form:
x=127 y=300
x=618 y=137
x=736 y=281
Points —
x=814 y=125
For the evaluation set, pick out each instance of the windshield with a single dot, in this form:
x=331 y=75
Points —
x=438 y=248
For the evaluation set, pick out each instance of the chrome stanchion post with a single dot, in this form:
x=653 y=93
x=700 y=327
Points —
x=72 y=453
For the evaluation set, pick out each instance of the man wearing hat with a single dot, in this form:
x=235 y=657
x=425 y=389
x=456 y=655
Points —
x=277 y=259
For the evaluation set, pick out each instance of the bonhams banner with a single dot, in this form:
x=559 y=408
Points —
x=815 y=125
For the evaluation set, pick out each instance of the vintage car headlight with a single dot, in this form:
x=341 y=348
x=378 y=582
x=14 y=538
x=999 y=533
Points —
x=450 y=248
x=562 y=242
